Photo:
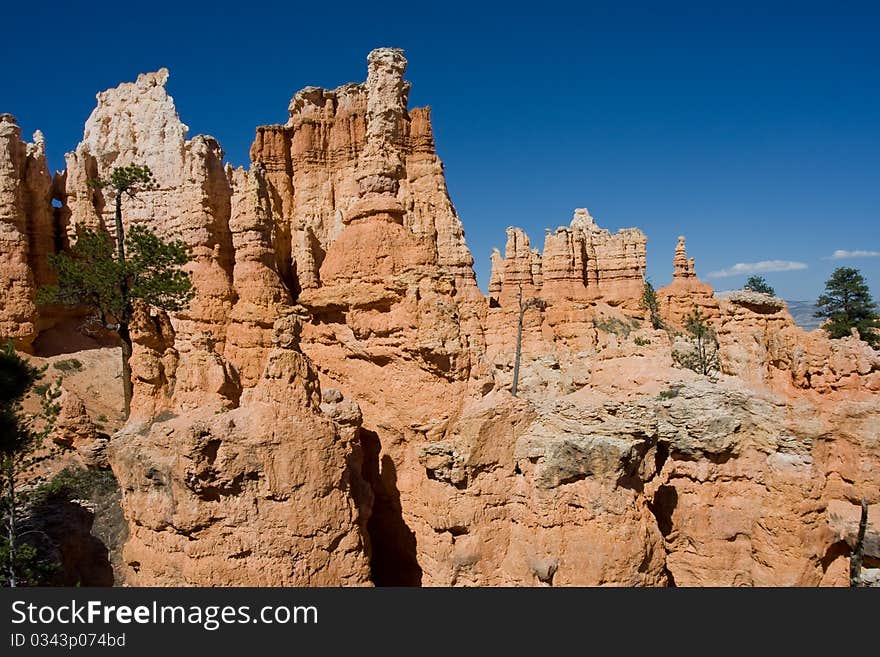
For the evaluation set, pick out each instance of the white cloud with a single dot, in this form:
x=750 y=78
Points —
x=742 y=268
x=841 y=254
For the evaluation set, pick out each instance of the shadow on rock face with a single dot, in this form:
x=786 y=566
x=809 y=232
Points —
x=393 y=560
x=83 y=558
x=665 y=501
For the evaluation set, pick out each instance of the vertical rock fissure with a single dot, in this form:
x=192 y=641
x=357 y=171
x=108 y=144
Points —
x=662 y=507
x=393 y=558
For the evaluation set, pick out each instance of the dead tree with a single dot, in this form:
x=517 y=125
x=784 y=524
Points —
x=855 y=561
x=534 y=302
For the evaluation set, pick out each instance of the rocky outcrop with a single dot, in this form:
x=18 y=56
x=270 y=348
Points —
x=518 y=495
x=705 y=484
x=260 y=294
x=740 y=499
x=682 y=266
x=586 y=284
x=74 y=429
x=27 y=230
x=264 y=494
x=580 y=262
x=209 y=380
x=394 y=269
x=758 y=302
x=137 y=123
x=761 y=343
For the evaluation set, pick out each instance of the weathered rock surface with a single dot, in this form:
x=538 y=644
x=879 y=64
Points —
x=137 y=123
x=761 y=343
x=262 y=494
x=354 y=152
x=73 y=425
x=756 y=301
x=508 y=498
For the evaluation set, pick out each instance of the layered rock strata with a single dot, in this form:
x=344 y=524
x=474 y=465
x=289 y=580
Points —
x=580 y=262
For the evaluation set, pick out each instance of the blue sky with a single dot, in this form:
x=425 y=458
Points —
x=751 y=129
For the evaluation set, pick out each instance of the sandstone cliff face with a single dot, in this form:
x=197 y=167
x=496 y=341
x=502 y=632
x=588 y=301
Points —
x=138 y=123
x=392 y=268
x=333 y=407
x=364 y=231
x=219 y=374
x=533 y=496
x=713 y=485
x=742 y=498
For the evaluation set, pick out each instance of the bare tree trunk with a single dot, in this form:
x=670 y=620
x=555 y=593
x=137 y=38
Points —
x=120 y=231
x=519 y=328
x=11 y=529
x=855 y=561
x=123 y=330
x=127 y=350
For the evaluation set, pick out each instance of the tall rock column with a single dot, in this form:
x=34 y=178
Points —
x=682 y=266
x=686 y=292
x=496 y=276
x=381 y=164
x=27 y=230
x=375 y=245
x=520 y=264
x=260 y=296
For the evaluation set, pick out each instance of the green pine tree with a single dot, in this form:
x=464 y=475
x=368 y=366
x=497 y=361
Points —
x=145 y=269
x=703 y=357
x=847 y=304
x=651 y=305
x=22 y=563
x=759 y=284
